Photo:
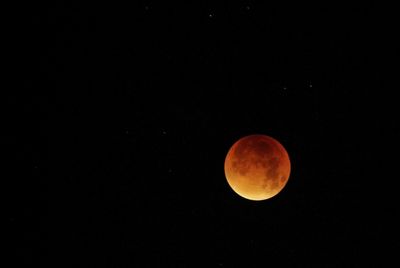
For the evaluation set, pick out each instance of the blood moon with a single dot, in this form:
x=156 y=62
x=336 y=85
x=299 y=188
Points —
x=257 y=167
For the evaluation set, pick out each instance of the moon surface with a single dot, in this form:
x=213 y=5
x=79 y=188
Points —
x=257 y=167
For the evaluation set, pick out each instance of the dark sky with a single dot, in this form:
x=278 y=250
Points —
x=132 y=109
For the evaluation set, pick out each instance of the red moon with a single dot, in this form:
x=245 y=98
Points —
x=257 y=167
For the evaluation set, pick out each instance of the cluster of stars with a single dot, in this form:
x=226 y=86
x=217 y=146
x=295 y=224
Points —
x=163 y=132
x=212 y=14
x=284 y=88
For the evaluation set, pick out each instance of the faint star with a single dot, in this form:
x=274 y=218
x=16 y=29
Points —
x=210 y=15
x=247 y=7
x=310 y=85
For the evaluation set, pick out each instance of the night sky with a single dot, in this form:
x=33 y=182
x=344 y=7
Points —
x=132 y=109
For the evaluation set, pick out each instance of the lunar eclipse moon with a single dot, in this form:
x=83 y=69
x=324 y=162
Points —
x=257 y=167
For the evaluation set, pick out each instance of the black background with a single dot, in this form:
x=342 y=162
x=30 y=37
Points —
x=132 y=108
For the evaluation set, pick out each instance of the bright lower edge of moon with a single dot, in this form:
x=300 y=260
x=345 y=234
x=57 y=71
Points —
x=257 y=167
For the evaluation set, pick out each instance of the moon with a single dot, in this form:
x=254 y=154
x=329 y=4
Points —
x=257 y=167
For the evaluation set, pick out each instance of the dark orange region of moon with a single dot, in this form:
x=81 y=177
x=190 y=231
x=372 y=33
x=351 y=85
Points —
x=257 y=167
